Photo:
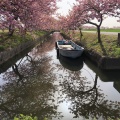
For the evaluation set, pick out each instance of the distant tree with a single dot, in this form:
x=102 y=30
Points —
x=46 y=22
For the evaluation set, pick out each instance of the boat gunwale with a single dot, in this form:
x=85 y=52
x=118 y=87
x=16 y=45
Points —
x=70 y=50
x=81 y=48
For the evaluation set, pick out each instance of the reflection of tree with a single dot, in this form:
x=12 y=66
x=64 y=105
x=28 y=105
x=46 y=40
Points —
x=29 y=89
x=88 y=101
x=44 y=47
x=106 y=75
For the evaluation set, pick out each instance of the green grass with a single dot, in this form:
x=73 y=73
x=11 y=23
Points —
x=8 y=42
x=104 y=30
x=109 y=46
x=39 y=33
x=110 y=30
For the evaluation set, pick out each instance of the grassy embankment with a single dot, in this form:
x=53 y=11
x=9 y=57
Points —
x=8 y=42
x=109 y=46
x=104 y=30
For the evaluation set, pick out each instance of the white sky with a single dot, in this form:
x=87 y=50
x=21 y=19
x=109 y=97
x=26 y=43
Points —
x=65 y=6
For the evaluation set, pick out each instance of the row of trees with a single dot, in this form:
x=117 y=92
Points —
x=38 y=14
x=26 y=14
x=85 y=11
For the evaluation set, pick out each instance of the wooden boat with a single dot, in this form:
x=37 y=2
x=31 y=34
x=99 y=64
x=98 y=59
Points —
x=69 y=49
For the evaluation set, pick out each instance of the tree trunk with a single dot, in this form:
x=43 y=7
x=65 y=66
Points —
x=24 y=31
x=99 y=36
x=12 y=27
x=80 y=34
x=119 y=38
x=11 y=30
x=98 y=28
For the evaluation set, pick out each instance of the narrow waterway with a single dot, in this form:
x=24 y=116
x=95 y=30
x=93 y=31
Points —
x=39 y=83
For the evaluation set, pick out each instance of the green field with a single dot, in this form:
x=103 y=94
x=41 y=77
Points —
x=103 y=30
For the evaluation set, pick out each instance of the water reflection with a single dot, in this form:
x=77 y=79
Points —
x=29 y=86
x=29 y=89
x=9 y=63
x=117 y=85
x=87 y=100
x=106 y=75
x=41 y=85
x=71 y=64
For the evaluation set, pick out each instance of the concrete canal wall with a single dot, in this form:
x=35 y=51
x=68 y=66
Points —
x=106 y=63
x=8 y=54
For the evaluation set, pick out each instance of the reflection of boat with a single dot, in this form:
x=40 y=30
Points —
x=71 y=64
x=69 y=48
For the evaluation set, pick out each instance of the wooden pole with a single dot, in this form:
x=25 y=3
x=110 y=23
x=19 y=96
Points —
x=119 y=38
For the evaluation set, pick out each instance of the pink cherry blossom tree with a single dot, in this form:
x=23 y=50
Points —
x=85 y=11
x=47 y=23
x=24 y=14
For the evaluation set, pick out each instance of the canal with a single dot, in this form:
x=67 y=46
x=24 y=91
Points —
x=38 y=82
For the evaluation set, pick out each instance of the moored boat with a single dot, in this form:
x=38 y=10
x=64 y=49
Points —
x=69 y=48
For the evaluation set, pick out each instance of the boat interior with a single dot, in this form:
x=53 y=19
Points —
x=68 y=45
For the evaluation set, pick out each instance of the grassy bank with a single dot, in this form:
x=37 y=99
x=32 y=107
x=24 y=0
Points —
x=8 y=42
x=109 y=46
x=104 y=30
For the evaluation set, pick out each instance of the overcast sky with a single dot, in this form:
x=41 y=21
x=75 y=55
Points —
x=65 y=5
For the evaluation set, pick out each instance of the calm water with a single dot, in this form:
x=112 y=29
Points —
x=41 y=84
